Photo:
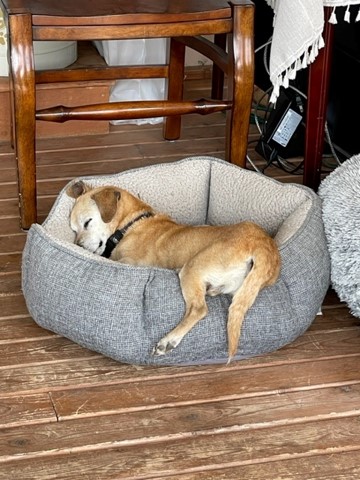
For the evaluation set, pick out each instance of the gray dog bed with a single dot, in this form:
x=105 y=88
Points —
x=123 y=311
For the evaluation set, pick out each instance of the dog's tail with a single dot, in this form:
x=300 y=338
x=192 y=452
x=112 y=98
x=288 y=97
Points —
x=264 y=272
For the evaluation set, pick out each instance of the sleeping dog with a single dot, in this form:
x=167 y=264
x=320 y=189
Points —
x=238 y=259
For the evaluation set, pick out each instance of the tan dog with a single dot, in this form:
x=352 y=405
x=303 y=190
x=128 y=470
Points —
x=236 y=259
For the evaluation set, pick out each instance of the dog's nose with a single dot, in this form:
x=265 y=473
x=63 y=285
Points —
x=78 y=242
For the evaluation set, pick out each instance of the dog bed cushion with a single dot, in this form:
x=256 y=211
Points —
x=122 y=311
x=341 y=216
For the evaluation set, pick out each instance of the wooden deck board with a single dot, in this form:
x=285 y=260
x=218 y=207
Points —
x=69 y=413
x=163 y=457
x=291 y=408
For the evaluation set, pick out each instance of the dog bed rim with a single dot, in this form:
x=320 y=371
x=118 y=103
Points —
x=88 y=178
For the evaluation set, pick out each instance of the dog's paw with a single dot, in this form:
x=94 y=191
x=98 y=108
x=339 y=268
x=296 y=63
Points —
x=164 y=346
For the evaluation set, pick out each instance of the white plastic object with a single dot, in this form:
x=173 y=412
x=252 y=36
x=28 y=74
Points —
x=135 y=52
x=47 y=54
x=55 y=54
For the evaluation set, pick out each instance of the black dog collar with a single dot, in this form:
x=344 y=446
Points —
x=115 y=238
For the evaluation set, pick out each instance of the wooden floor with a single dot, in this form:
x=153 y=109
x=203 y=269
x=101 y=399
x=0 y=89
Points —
x=69 y=413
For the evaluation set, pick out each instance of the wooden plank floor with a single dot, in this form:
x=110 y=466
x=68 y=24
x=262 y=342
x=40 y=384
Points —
x=69 y=413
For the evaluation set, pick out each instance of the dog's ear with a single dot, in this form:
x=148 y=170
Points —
x=106 y=201
x=77 y=189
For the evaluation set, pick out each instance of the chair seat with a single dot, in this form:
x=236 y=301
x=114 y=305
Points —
x=110 y=12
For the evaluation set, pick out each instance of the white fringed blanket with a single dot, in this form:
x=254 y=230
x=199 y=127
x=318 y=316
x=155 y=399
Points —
x=297 y=36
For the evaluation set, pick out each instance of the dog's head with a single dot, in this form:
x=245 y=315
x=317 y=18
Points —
x=92 y=217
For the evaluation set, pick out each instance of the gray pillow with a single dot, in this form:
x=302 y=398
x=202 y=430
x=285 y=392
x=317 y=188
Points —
x=341 y=215
x=122 y=311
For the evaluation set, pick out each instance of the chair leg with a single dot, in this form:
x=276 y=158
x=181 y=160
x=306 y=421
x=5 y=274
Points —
x=23 y=96
x=175 y=87
x=318 y=92
x=240 y=82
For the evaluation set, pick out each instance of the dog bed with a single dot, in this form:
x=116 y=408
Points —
x=122 y=311
x=341 y=216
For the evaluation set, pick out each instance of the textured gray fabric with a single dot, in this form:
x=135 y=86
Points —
x=122 y=311
x=340 y=192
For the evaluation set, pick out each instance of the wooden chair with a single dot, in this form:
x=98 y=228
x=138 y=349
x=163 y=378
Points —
x=183 y=21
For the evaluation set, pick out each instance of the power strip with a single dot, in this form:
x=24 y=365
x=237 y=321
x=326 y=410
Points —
x=283 y=134
x=287 y=127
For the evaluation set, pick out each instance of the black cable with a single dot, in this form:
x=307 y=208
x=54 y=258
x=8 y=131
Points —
x=270 y=155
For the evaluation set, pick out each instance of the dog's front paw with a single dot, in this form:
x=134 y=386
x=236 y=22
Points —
x=164 y=346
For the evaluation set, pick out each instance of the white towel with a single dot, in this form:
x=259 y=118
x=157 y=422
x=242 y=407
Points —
x=297 y=36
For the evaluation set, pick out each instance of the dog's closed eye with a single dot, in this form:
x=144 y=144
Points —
x=87 y=223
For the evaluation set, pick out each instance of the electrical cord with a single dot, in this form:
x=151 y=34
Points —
x=270 y=154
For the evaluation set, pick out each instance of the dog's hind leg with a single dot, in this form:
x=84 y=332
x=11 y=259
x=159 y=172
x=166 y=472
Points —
x=194 y=291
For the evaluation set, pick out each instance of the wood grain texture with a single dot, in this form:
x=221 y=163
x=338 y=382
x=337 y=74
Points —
x=69 y=413
x=130 y=20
